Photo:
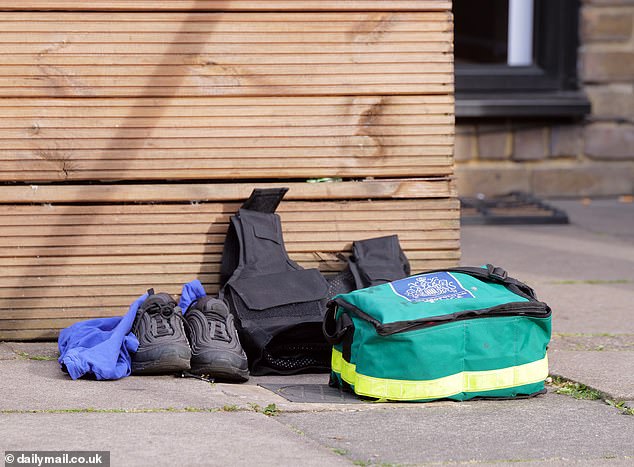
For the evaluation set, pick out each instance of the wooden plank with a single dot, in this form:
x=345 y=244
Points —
x=247 y=143
x=97 y=216
x=39 y=261
x=229 y=106
x=75 y=255
x=183 y=168
x=302 y=208
x=53 y=314
x=246 y=36
x=428 y=55
x=102 y=268
x=96 y=307
x=220 y=154
x=29 y=334
x=230 y=5
x=426 y=243
x=377 y=189
x=228 y=86
x=26 y=311
x=227 y=132
x=114 y=139
x=231 y=54
x=301 y=238
x=191 y=170
x=438 y=46
x=140 y=280
x=204 y=228
x=219 y=212
x=16 y=300
x=201 y=22
x=94 y=300
x=100 y=122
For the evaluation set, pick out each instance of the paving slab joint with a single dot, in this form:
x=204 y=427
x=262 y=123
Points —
x=579 y=390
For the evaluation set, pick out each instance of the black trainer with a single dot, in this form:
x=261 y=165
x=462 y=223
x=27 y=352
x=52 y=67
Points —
x=216 y=349
x=163 y=345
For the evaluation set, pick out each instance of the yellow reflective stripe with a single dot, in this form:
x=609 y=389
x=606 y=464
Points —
x=466 y=381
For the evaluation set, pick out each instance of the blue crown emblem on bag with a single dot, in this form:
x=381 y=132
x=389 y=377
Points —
x=430 y=288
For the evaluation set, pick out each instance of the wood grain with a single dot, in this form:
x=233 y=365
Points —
x=230 y=5
x=216 y=138
x=87 y=54
x=130 y=132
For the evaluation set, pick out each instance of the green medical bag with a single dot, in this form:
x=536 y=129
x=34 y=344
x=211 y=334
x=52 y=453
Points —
x=447 y=334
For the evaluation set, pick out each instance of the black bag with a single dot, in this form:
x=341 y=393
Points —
x=373 y=261
x=377 y=261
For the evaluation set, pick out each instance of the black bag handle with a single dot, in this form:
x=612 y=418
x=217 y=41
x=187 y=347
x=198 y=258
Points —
x=335 y=329
x=494 y=274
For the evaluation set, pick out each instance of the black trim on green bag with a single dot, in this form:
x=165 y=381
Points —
x=510 y=309
x=533 y=309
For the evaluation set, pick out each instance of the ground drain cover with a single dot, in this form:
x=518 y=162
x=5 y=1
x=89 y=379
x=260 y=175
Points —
x=312 y=393
x=512 y=209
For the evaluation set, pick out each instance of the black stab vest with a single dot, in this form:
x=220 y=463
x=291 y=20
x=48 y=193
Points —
x=279 y=306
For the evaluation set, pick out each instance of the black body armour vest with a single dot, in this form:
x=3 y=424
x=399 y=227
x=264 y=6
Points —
x=279 y=306
x=377 y=261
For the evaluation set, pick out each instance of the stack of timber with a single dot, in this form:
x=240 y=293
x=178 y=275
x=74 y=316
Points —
x=131 y=130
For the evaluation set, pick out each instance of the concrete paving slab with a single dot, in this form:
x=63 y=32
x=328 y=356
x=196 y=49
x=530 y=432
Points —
x=551 y=428
x=610 y=372
x=35 y=350
x=549 y=253
x=142 y=439
x=50 y=389
x=595 y=342
x=589 y=308
x=307 y=378
x=586 y=277
x=6 y=352
x=603 y=216
x=607 y=462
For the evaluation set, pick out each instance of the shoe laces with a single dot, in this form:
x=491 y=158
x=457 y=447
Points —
x=161 y=314
x=217 y=326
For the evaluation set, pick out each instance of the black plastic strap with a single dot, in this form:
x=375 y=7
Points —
x=265 y=199
x=497 y=273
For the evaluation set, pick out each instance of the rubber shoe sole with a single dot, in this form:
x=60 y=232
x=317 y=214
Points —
x=170 y=359
x=221 y=370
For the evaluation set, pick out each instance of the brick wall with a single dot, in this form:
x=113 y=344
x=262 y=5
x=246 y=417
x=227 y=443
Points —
x=593 y=157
